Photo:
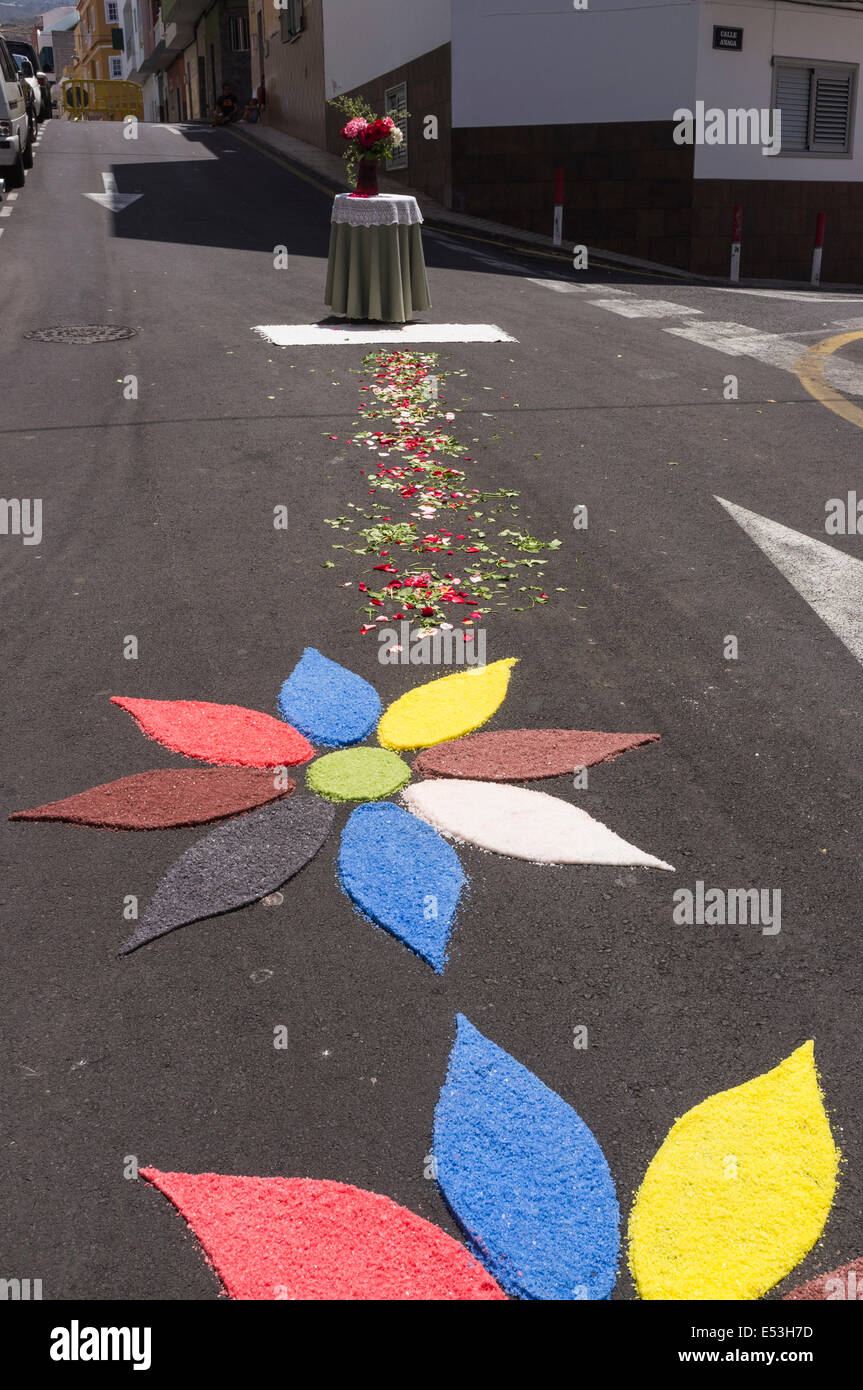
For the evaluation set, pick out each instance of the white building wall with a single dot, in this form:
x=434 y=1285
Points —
x=544 y=62
x=729 y=80
x=364 y=40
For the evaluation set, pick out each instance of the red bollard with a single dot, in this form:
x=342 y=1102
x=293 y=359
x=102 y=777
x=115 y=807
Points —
x=736 y=239
x=818 y=249
x=558 y=207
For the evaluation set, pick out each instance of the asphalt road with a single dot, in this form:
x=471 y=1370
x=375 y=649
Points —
x=157 y=522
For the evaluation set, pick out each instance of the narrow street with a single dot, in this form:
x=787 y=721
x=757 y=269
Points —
x=610 y=391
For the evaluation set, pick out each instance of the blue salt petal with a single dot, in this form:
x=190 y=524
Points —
x=327 y=702
x=524 y=1176
x=403 y=875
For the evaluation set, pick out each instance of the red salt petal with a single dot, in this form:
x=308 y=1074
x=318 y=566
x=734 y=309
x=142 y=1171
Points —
x=225 y=734
x=301 y=1239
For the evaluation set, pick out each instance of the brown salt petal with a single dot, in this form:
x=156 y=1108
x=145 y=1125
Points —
x=843 y=1283
x=520 y=755
x=166 y=797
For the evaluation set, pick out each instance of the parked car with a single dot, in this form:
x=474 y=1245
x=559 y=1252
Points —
x=19 y=49
x=16 y=147
x=33 y=91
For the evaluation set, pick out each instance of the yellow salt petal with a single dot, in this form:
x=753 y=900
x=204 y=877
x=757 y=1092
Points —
x=445 y=708
x=739 y=1191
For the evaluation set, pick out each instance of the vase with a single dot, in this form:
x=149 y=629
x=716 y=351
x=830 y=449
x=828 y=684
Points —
x=367 y=179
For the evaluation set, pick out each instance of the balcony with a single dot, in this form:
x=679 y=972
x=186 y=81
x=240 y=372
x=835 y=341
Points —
x=159 y=56
x=184 y=14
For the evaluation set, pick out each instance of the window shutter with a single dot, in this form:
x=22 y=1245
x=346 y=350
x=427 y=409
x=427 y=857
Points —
x=396 y=105
x=792 y=98
x=831 y=116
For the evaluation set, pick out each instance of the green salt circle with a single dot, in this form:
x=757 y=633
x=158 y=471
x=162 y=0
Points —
x=358 y=774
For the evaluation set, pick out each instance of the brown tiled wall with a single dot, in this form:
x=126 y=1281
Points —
x=628 y=188
x=294 y=72
x=778 y=228
x=428 y=92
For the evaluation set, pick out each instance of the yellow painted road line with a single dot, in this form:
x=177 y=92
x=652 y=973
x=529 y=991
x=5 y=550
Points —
x=810 y=372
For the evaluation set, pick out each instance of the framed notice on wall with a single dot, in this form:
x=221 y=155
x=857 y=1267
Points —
x=727 y=38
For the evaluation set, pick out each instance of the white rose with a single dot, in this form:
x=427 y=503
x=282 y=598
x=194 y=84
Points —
x=396 y=136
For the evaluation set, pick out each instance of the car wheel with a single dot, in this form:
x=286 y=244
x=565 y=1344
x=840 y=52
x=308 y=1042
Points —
x=15 y=175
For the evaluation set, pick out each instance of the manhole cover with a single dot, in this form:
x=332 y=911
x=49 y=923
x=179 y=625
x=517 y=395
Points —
x=83 y=333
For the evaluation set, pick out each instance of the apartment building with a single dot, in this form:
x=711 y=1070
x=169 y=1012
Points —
x=99 y=43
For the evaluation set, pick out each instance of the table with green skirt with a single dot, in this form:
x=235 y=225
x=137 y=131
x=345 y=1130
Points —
x=376 y=268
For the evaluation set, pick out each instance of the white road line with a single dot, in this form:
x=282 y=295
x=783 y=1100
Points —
x=801 y=296
x=645 y=308
x=11 y=197
x=317 y=335
x=5 y=212
x=737 y=340
x=561 y=286
x=830 y=581
x=848 y=324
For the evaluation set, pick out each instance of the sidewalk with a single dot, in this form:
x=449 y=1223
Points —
x=327 y=171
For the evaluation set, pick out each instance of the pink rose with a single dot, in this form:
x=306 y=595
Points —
x=354 y=127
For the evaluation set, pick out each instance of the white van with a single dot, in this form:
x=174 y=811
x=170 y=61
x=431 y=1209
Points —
x=16 y=151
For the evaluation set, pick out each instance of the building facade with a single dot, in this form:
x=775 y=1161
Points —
x=99 y=43
x=502 y=93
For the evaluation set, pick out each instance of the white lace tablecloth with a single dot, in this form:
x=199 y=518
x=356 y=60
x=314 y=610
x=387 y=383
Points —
x=386 y=210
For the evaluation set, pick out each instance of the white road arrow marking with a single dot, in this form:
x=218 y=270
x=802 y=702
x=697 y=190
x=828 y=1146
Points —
x=111 y=199
x=830 y=581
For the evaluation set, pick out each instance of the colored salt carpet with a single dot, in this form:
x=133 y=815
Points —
x=165 y=797
x=297 y=1238
x=403 y=876
x=445 y=708
x=524 y=1176
x=521 y=755
x=225 y=734
x=236 y=864
x=328 y=703
x=739 y=1191
x=521 y=823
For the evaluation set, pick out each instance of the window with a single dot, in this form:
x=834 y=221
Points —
x=7 y=67
x=291 y=19
x=238 y=28
x=115 y=67
x=396 y=105
x=817 y=105
x=112 y=12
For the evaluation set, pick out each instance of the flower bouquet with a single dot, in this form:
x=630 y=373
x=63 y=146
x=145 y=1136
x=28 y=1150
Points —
x=371 y=139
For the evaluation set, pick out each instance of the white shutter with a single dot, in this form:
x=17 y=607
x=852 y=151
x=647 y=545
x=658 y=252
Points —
x=832 y=93
x=793 y=86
